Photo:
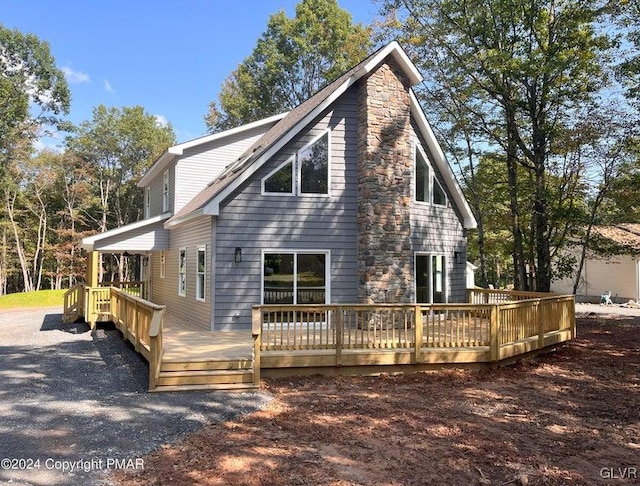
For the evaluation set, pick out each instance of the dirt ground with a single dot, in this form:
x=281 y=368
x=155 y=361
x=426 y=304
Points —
x=567 y=418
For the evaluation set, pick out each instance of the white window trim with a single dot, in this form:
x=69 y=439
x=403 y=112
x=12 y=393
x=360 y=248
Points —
x=418 y=147
x=165 y=191
x=163 y=264
x=432 y=179
x=295 y=253
x=291 y=160
x=147 y=202
x=202 y=248
x=435 y=181
x=180 y=293
x=298 y=167
x=445 y=270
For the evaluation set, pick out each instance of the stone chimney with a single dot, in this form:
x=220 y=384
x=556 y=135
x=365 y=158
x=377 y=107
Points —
x=384 y=186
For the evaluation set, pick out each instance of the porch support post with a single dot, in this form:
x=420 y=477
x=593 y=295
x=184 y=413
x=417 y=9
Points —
x=494 y=337
x=93 y=262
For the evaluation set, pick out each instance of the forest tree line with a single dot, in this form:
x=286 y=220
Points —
x=535 y=104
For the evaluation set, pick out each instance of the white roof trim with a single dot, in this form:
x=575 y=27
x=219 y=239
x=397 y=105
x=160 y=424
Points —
x=213 y=206
x=469 y=221
x=401 y=58
x=177 y=150
x=184 y=219
x=88 y=243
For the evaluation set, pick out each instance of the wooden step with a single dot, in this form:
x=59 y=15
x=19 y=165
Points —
x=230 y=387
x=197 y=365
x=206 y=377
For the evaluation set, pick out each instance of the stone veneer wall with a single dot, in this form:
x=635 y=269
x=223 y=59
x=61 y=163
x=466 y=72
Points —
x=385 y=257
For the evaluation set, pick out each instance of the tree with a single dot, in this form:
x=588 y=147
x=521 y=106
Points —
x=292 y=60
x=520 y=71
x=119 y=145
x=33 y=92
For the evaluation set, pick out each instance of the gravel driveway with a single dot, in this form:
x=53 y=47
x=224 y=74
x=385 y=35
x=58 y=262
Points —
x=72 y=401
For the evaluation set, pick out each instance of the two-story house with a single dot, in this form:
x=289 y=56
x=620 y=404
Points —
x=347 y=198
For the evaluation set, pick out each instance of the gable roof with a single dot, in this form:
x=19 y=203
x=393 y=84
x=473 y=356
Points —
x=207 y=202
x=171 y=153
x=625 y=236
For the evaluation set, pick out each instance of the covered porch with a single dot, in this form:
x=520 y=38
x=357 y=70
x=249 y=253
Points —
x=495 y=327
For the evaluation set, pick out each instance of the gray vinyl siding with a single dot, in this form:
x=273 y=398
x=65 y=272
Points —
x=200 y=165
x=254 y=223
x=438 y=230
x=165 y=290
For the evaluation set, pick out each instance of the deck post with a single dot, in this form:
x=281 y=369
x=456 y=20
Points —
x=494 y=334
x=417 y=332
x=338 y=327
x=135 y=326
x=256 y=332
x=540 y=308
x=572 y=317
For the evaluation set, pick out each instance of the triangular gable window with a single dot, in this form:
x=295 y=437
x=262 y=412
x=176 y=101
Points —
x=439 y=197
x=280 y=181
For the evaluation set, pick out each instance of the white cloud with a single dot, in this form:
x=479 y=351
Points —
x=161 y=120
x=108 y=87
x=75 y=76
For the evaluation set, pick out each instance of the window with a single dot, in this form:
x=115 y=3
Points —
x=201 y=273
x=427 y=187
x=295 y=278
x=431 y=285
x=182 y=272
x=308 y=172
x=147 y=202
x=280 y=181
x=439 y=197
x=165 y=191
x=422 y=177
x=163 y=264
x=313 y=164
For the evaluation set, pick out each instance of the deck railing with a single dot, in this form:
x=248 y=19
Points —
x=139 y=320
x=492 y=331
x=134 y=287
x=74 y=300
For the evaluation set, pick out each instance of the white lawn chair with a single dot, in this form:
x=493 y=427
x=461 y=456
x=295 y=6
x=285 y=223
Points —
x=605 y=299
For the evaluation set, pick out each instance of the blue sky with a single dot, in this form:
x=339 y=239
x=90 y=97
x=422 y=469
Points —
x=170 y=57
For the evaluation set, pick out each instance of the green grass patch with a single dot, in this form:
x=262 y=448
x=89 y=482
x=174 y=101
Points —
x=41 y=298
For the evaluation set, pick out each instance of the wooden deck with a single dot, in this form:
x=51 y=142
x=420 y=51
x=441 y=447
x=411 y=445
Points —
x=195 y=359
x=496 y=327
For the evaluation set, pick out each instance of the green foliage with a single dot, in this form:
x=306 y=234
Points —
x=512 y=78
x=119 y=145
x=28 y=76
x=292 y=60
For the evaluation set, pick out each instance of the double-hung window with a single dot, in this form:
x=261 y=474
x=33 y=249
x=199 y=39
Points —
x=291 y=277
x=182 y=272
x=147 y=202
x=201 y=273
x=165 y=191
x=306 y=173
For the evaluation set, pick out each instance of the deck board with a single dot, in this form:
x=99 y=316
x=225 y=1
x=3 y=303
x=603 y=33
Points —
x=184 y=342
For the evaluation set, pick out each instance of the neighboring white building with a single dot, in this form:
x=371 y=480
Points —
x=619 y=274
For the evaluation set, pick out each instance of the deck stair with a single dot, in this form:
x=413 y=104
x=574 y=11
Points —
x=211 y=374
x=197 y=360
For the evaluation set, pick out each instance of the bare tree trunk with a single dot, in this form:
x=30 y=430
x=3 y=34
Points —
x=10 y=201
